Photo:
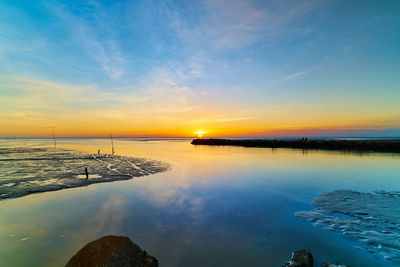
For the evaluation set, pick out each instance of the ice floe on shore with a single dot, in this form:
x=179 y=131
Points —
x=26 y=170
x=372 y=218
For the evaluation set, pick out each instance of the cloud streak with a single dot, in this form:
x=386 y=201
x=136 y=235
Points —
x=103 y=47
x=294 y=75
x=224 y=24
x=158 y=98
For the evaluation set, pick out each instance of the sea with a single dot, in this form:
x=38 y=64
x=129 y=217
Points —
x=192 y=205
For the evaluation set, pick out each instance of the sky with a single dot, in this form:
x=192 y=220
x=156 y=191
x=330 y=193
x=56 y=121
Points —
x=216 y=67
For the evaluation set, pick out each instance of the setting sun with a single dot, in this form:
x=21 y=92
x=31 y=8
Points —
x=200 y=134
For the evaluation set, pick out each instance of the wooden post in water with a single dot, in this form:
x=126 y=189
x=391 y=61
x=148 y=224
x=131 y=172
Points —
x=54 y=139
x=112 y=144
x=87 y=173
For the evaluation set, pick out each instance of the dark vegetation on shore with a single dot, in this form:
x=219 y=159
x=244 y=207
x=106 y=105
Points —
x=388 y=146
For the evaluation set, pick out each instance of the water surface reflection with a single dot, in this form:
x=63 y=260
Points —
x=217 y=206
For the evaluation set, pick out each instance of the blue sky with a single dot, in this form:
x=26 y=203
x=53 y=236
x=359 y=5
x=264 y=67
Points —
x=176 y=67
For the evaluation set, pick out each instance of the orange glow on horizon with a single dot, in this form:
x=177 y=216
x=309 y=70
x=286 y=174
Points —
x=99 y=128
x=200 y=134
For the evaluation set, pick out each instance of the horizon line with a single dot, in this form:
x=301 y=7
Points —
x=195 y=137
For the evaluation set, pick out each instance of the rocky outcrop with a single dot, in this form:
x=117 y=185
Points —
x=301 y=258
x=112 y=251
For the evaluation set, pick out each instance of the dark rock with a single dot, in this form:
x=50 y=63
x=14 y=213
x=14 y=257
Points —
x=112 y=251
x=301 y=258
x=331 y=264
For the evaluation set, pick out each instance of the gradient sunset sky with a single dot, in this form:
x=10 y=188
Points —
x=224 y=67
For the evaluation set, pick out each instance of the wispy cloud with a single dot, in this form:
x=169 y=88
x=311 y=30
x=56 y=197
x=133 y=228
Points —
x=12 y=41
x=41 y=93
x=13 y=37
x=215 y=120
x=101 y=45
x=235 y=24
x=234 y=119
x=294 y=75
x=159 y=97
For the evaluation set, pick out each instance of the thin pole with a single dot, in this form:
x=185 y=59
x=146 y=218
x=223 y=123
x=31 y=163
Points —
x=54 y=139
x=112 y=144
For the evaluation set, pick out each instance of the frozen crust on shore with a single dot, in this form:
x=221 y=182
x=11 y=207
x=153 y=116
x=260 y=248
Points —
x=32 y=170
x=372 y=218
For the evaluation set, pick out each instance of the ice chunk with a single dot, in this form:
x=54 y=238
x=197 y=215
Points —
x=32 y=170
x=372 y=218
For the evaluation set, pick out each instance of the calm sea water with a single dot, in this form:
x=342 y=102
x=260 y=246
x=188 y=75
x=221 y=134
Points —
x=217 y=206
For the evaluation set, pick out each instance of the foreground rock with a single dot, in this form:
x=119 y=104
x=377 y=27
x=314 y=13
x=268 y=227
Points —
x=301 y=258
x=112 y=251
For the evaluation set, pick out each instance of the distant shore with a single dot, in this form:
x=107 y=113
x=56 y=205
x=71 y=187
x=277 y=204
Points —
x=304 y=143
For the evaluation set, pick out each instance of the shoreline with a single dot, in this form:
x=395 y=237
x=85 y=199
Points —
x=36 y=170
x=304 y=143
